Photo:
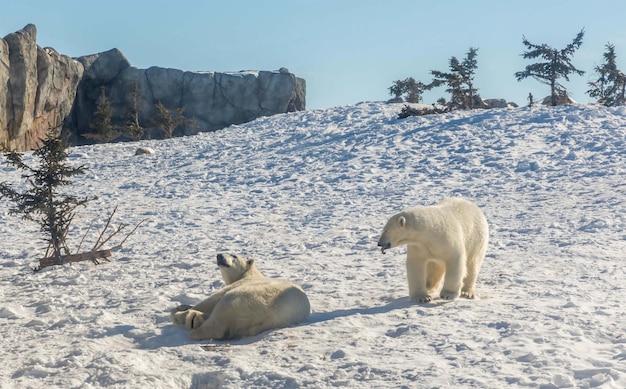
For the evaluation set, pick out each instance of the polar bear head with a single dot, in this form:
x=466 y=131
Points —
x=234 y=267
x=396 y=232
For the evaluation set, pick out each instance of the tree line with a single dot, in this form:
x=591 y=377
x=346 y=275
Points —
x=553 y=65
x=166 y=121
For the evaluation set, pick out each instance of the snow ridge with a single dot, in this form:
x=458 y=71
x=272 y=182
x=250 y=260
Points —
x=306 y=194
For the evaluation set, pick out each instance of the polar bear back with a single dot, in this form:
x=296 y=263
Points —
x=260 y=305
x=458 y=213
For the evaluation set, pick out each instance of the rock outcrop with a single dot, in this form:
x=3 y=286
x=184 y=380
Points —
x=560 y=100
x=210 y=100
x=39 y=86
x=499 y=103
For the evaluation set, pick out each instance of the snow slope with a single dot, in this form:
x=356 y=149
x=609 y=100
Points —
x=306 y=194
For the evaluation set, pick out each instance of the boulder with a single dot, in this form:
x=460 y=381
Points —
x=22 y=87
x=144 y=150
x=58 y=77
x=562 y=99
x=496 y=103
x=40 y=86
x=103 y=68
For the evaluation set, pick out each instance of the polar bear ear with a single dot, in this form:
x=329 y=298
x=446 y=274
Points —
x=250 y=262
x=402 y=221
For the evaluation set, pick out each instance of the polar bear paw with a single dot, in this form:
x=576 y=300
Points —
x=449 y=295
x=188 y=317
x=469 y=295
x=179 y=314
x=422 y=298
x=194 y=319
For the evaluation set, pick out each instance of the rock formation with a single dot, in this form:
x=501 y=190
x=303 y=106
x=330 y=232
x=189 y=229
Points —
x=210 y=100
x=40 y=88
x=499 y=103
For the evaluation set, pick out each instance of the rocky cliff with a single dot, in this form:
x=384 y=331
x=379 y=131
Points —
x=40 y=88
x=37 y=89
x=211 y=100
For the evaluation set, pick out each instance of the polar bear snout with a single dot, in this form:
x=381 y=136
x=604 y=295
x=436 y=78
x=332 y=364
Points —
x=384 y=242
x=222 y=260
x=384 y=246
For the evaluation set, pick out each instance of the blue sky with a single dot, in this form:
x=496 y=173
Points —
x=348 y=51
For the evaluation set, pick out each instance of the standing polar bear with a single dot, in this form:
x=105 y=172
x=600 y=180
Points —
x=248 y=305
x=449 y=238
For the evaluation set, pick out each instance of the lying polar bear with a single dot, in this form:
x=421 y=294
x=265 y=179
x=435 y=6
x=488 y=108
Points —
x=445 y=241
x=248 y=305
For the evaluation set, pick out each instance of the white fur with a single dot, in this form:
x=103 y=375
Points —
x=248 y=305
x=449 y=238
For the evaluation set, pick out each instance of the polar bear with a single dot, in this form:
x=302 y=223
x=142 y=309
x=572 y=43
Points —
x=248 y=305
x=448 y=238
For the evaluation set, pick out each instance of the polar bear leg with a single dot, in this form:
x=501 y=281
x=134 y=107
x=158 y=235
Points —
x=435 y=275
x=417 y=272
x=453 y=281
x=211 y=329
x=469 y=282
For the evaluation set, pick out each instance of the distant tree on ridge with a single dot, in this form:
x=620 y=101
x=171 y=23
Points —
x=460 y=81
x=557 y=64
x=610 y=86
x=409 y=88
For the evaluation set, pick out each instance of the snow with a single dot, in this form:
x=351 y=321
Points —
x=306 y=194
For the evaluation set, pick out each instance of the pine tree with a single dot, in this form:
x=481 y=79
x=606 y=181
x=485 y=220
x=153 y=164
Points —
x=460 y=81
x=610 y=86
x=397 y=89
x=42 y=202
x=558 y=64
x=168 y=121
x=411 y=89
x=104 y=130
x=133 y=129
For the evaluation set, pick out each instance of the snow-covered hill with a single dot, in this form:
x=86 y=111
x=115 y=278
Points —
x=307 y=194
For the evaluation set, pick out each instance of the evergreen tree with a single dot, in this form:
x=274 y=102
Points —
x=42 y=202
x=409 y=88
x=558 y=64
x=397 y=89
x=104 y=130
x=460 y=81
x=610 y=86
x=133 y=129
x=168 y=121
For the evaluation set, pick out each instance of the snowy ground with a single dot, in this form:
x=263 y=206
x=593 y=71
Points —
x=307 y=194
